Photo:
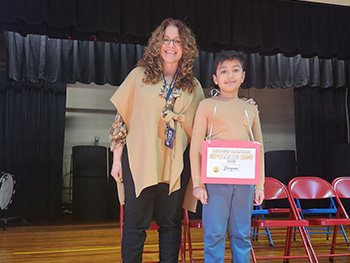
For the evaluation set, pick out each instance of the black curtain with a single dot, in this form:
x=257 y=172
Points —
x=36 y=58
x=32 y=125
x=265 y=26
x=320 y=124
x=279 y=71
x=3 y=79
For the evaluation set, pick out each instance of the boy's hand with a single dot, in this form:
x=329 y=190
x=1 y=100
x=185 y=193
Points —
x=201 y=194
x=258 y=197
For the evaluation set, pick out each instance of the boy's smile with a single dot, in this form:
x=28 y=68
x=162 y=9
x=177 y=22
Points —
x=229 y=77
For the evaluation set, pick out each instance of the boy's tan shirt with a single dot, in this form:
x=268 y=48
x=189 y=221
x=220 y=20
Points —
x=230 y=123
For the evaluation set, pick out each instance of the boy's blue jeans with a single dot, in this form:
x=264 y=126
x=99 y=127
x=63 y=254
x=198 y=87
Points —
x=229 y=209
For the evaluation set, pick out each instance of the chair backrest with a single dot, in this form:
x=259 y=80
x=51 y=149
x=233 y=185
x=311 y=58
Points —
x=341 y=186
x=310 y=188
x=274 y=189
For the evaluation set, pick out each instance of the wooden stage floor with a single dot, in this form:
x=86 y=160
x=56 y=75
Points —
x=100 y=242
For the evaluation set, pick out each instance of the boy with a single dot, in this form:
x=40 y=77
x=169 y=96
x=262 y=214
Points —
x=226 y=208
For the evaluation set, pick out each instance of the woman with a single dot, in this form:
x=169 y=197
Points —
x=155 y=105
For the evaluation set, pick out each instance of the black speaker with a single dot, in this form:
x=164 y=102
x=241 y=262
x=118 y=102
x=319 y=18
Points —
x=280 y=165
x=90 y=183
x=339 y=161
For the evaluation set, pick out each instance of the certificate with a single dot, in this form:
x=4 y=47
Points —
x=231 y=162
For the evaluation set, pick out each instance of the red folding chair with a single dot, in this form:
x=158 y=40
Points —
x=153 y=226
x=276 y=190
x=331 y=211
x=315 y=188
x=341 y=186
x=258 y=211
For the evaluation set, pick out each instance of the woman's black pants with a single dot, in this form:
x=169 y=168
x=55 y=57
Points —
x=154 y=201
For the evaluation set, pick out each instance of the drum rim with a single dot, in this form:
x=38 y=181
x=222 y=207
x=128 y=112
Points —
x=12 y=192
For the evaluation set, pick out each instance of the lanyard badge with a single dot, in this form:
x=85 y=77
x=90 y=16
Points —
x=169 y=137
x=169 y=132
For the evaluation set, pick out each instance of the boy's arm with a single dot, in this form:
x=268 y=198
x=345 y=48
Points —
x=256 y=127
x=198 y=135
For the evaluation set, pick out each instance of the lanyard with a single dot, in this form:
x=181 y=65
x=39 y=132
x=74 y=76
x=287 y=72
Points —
x=171 y=87
x=246 y=113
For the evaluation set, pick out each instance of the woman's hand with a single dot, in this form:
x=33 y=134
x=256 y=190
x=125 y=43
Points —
x=117 y=170
x=201 y=194
x=251 y=101
x=259 y=196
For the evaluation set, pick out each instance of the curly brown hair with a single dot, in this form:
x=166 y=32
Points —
x=152 y=61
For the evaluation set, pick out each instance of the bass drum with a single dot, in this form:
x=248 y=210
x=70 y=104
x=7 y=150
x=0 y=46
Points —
x=7 y=189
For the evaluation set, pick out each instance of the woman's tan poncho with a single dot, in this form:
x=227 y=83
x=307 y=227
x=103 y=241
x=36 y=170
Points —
x=151 y=162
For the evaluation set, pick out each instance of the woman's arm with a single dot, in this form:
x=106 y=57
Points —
x=117 y=136
x=117 y=170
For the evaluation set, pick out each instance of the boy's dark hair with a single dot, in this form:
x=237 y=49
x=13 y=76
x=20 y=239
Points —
x=227 y=55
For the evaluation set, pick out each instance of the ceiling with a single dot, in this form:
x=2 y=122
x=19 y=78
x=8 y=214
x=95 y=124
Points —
x=333 y=2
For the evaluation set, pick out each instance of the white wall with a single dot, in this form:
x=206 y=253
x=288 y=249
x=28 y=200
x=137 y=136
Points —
x=277 y=116
x=90 y=114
